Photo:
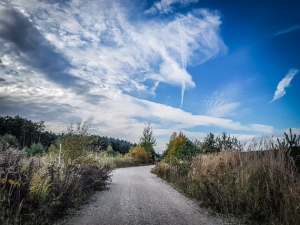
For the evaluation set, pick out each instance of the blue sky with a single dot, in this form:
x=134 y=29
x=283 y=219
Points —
x=182 y=65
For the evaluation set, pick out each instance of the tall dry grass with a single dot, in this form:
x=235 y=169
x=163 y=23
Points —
x=38 y=190
x=258 y=187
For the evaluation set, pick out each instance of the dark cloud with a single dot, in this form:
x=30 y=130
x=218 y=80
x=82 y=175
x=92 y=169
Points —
x=36 y=51
x=2 y=80
x=11 y=72
x=56 y=1
x=95 y=98
x=36 y=111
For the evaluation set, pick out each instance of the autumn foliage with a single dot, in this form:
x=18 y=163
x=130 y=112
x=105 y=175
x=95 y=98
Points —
x=180 y=147
x=140 y=155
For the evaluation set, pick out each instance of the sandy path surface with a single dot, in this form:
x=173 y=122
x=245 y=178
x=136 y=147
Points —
x=138 y=197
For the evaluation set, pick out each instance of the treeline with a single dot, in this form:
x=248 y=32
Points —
x=28 y=133
x=182 y=148
x=100 y=143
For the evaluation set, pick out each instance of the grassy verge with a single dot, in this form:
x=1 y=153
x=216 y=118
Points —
x=259 y=187
x=38 y=191
x=120 y=161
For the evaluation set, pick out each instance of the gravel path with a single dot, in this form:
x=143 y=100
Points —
x=138 y=197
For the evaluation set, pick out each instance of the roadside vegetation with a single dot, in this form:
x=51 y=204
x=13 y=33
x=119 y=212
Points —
x=41 y=181
x=258 y=186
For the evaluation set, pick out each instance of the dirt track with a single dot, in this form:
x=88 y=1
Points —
x=138 y=197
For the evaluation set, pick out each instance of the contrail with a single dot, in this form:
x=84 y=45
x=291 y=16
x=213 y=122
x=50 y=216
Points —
x=182 y=93
x=183 y=49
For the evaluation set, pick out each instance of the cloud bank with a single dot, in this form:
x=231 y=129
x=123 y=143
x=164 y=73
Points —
x=285 y=82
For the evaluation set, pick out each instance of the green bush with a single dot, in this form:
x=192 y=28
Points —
x=74 y=143
x=10 y=140
x=110 y=151
x=35 y=149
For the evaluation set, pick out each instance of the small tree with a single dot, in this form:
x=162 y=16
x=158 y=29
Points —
x=110 y=152
x=180 y=147
x=291 y=142
x=147 y=141
x=209 y=144
x=75 y=142
x=35 y=149
x=213 y=144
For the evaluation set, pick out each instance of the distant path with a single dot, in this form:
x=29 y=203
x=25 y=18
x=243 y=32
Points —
x=137 y=197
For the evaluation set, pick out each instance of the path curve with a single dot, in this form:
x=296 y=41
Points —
x=137 y=197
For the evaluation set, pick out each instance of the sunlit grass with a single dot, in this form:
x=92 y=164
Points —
x=258 y=187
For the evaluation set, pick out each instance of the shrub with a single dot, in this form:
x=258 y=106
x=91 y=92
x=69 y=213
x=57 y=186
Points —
x=35 y=149
x=38 y=190
x=140 y=154
x=10 y=140
x=53 y=151
x=75 y=143
x=110 y=151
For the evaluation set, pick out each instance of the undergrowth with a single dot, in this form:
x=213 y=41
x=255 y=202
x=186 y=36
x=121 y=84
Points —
x=258 y=187
x=38 y=190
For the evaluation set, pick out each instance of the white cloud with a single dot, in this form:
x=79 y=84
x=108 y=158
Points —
x=166 y=6
x=220 y=105
x=262 y=128
x=285 y=82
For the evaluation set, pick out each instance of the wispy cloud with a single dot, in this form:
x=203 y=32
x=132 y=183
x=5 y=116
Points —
x=290 y=29
x=166 y=6
x=220 y=105
x=153 y=89
x=285 y=82
x=262 y=128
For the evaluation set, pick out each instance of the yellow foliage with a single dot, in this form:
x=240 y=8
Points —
x=140 y=154
x=175 y=142
x=39 y=186
x=11 y=182
x=14 y=183
x=180 y=139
